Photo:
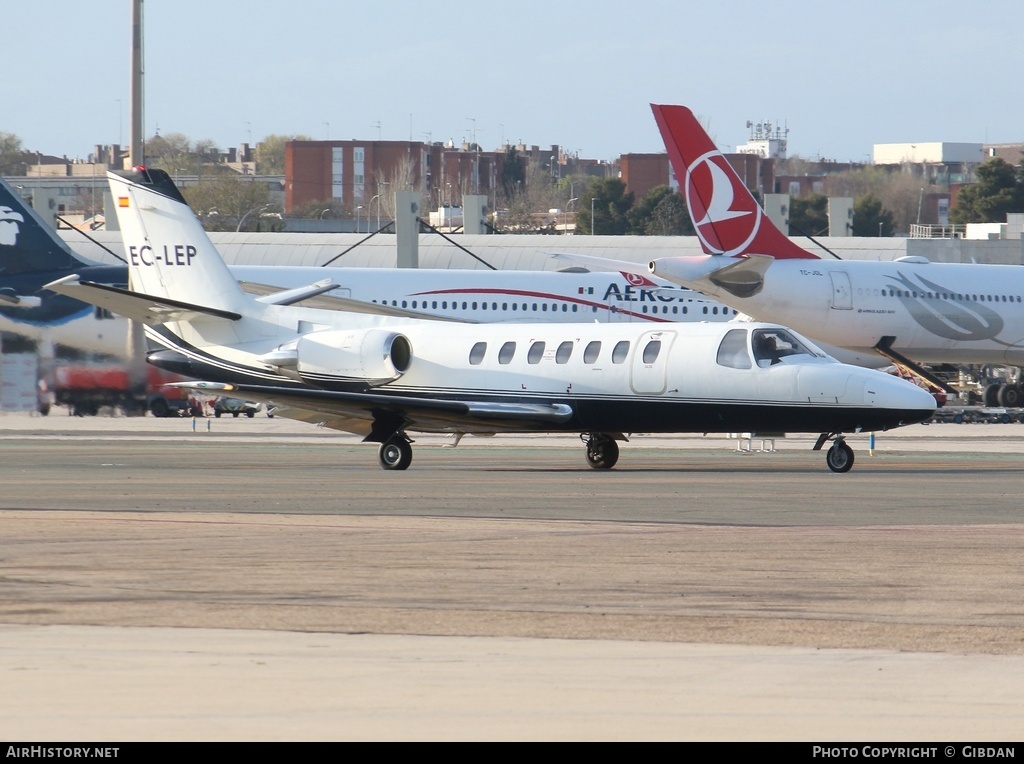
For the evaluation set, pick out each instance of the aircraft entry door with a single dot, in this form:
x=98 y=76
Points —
x=650 y=362
x=842 y=293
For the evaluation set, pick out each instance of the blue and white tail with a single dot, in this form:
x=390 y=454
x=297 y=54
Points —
x=27 y=244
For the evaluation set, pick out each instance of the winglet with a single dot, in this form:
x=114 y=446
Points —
x=727 y=217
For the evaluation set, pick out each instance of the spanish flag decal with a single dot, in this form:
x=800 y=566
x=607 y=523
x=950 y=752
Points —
x=122 y=201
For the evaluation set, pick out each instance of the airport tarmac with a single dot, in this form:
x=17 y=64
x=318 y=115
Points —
x=260 y=579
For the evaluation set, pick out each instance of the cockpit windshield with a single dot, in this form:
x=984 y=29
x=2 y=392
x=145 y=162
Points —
x=772 y=345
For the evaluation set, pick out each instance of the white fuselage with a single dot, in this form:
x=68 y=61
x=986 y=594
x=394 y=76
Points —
x=593 y=369
x=936 y=312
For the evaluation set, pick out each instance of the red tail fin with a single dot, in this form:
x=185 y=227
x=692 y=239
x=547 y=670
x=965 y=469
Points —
x=728 y=219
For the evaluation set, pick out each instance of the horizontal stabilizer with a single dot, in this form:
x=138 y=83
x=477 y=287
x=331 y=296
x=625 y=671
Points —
x=298 y=294
x=600 y=263
x=139 y=307
x=10 y=298
x=744 y=278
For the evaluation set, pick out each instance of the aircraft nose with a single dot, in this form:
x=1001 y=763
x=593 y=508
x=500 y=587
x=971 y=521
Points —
x=888 y=392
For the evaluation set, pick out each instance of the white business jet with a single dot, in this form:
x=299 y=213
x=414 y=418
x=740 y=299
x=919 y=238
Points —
x=384 y=377
x=910 y=311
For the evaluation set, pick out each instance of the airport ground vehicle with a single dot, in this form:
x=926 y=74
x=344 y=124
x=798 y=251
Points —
x=977 y=415
x=85 y=388
x=234 y=406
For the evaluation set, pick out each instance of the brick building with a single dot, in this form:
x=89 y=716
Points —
x=351 y=173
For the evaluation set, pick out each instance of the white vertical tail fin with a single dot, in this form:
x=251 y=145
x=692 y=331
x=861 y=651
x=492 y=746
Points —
x=169 y=254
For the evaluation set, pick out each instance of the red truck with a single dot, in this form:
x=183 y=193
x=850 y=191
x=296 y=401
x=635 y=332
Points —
x=85 y=388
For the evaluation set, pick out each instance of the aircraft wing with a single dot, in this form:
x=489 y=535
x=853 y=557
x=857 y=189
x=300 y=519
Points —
x=144 y=308
x=329 y=302
x=358 y=412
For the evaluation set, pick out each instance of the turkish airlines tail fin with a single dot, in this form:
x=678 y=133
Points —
x=727 y=217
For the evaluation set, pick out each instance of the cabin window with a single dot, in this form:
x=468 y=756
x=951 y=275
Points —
x=592 y=351
x=564 y=352
x=476 y=353
x=620 y=351
x=732 y=351
x=651 y=351
x=536 y=352
x=508 y=350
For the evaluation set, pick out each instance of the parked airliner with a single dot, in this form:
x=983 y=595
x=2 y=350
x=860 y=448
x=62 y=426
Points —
x=911 y=311
x=31 y=254
x=383 y=376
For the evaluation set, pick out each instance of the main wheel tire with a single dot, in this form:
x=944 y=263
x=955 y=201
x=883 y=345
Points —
x=396 y=454
x=1011 y=396
x=990 y=397
x=839 y=458
x=159 y=408
x=602 y=453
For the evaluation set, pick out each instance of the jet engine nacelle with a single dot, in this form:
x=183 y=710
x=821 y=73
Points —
x=372 y=357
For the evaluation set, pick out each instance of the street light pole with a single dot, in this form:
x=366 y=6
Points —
x=247 y=214
x=370 y=209
x=565 y=217
x=383 y=183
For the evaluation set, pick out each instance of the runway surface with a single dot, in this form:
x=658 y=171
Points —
x=265 y=580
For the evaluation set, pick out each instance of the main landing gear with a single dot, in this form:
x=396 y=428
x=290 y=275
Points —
x=395 y=453
x=839 y=456
x=602 y=450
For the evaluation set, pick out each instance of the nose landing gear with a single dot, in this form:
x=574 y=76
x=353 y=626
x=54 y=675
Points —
x=839 y=456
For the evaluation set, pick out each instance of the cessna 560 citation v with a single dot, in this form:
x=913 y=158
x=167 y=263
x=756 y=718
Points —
x=383 y=377
x=910 y=311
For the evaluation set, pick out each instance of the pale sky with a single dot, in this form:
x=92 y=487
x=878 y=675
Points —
x=841 y=76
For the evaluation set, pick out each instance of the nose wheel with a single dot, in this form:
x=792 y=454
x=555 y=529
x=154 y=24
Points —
x=395 y=454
